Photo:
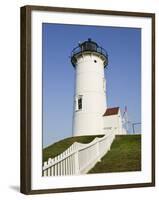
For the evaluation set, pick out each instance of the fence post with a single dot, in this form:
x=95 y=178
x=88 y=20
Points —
x=77 y=169
x=98 y=152
x=49 y=169
x=45 y=171
x=110 y=140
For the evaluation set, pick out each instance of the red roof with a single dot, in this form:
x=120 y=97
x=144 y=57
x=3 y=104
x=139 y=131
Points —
x=111 y=111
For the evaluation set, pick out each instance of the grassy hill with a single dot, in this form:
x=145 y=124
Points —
x=125 y=155
x=60 y=146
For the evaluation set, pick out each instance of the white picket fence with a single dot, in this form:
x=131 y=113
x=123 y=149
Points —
x=78 y=158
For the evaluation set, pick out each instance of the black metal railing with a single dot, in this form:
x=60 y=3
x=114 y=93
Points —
x=80 y=49
x=90 y=47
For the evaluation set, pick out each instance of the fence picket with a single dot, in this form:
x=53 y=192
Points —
x=69 y=162
x=52 y=168
x=55 y=166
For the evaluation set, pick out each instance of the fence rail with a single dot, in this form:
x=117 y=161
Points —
x=78 y=158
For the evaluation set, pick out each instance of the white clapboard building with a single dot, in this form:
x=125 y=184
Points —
x=91 y=116
x=113 y=121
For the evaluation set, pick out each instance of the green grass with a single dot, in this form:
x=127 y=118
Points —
x=59 y=147
x=125 y=155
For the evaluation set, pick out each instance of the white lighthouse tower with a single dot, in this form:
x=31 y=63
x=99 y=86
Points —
x=89 y=61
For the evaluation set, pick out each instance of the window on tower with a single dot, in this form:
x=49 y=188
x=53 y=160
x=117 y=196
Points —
x=79 y=102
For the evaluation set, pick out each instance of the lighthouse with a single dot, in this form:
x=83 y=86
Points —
x=89 y=61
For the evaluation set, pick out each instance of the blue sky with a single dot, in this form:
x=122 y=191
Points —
x=123 y=74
